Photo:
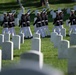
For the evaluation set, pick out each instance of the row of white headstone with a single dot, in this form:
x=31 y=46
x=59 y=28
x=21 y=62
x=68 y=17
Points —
x=66 y=50
x=9 y=45
x=31 y=62
x=62 y=32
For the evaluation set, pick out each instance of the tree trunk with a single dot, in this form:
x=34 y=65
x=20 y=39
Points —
x=42 y=2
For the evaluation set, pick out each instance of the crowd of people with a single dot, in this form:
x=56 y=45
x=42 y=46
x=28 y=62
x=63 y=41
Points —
x=40 y=23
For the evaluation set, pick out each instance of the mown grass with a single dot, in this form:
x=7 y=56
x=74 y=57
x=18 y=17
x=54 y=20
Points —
x=47 y=48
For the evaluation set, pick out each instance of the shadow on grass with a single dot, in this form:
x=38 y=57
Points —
x=6 y=6
x=16 y=55
x=29 y=4
x=67 y=35
x=15 y=5
x=60 y=1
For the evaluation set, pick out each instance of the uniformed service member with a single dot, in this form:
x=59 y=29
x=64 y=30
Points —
x=38 y=24
x=43 y=23
x=46 y=24
x=57 y=23
x=29 y=33
x=23 y=24
x=10 y=24
x=5 y=24
x=61 y=19
x=13 y=22
x=72 y=22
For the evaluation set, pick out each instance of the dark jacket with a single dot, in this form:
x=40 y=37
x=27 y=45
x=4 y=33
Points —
x=5 y=22
x=72 y=19
x=38 y=22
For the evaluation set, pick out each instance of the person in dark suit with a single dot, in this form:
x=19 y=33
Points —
x=72 y=21
x=5 y=24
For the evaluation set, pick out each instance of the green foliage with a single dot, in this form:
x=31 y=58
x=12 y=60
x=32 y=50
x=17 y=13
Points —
x=7 y=1
x=60 y=1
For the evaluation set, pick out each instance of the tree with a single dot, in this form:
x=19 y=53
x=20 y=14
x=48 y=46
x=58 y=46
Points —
x=42 y=2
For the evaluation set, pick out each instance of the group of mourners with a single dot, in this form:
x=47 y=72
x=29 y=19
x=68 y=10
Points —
x=40 y=23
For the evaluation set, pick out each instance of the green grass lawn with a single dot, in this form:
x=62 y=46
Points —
x=50 y=53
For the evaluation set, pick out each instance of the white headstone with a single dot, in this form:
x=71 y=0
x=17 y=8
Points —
x=33 y=56
x=16 y=41
x=73 y=39
x=0 y=59
x=51 y=12
x=36 y=12
x=63 y=49
x=74 y=7
x=30 y=68
x=67 y=23
x=35 y=19
x=63 y=32
x=57 y=39
x=54 y=15
x=1 y=39
x=36 y=35
x=16 y=21
x=7 y=50
x=36 y=44
x=19 y=16
x=23 y=9
x=1 y=17
x=53 y=35
x=22 y=37
x=6 y=37
x=59 y=9
x=20 y=12
x=72 y=60
x=68 y=11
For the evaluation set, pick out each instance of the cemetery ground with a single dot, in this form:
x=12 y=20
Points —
x=47 y=48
